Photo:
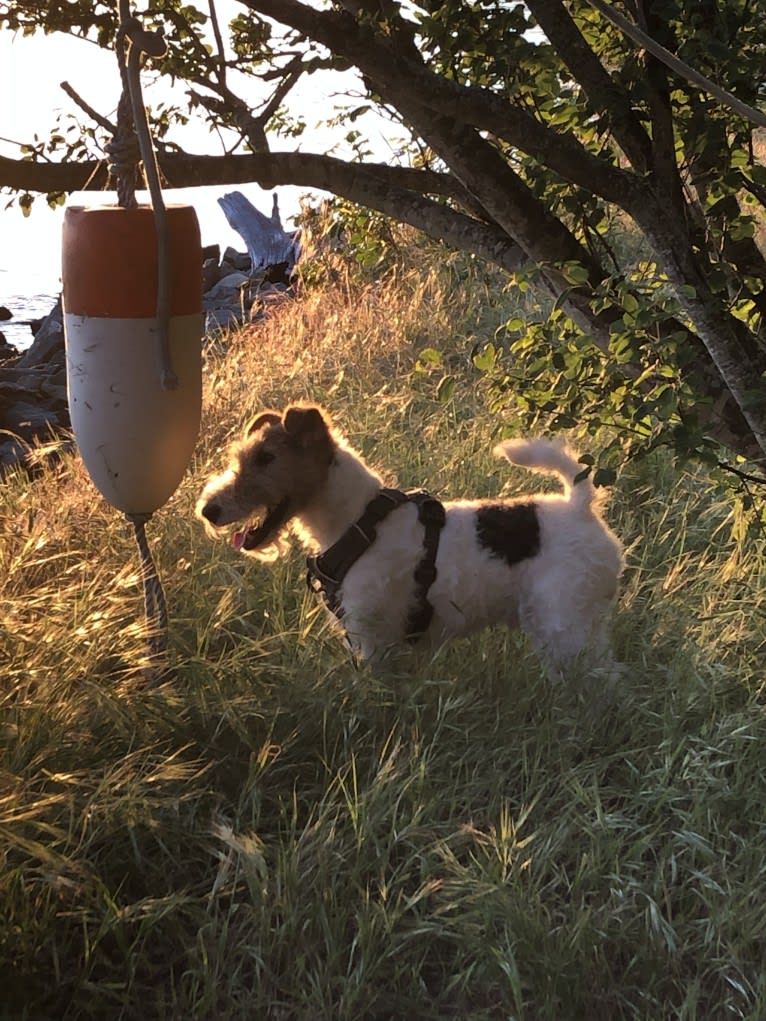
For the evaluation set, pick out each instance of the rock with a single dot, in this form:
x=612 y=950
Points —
x=224 y=305
x=237 y=260
x=33 y=396
x=279 y=273
x=29 y=420
x=48 y=344
x=12 y=452
x=227 y=290
x=211 y=274
x=57 y=393
x=221 y=319
x=6 y=350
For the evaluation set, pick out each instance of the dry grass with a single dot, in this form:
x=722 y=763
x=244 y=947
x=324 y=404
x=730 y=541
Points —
x=270 y=833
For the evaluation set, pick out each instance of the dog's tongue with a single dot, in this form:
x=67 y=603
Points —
x=257 y=535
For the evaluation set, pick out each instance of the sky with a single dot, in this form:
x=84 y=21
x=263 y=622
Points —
x=33 y=68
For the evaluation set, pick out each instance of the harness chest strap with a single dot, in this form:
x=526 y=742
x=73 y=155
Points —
x=327 y=571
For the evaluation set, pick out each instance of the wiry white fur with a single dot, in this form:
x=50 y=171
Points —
x=554 y=458
x=561 y=597
x=571 y=586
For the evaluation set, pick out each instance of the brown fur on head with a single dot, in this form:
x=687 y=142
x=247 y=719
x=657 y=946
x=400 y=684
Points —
x=275 y=470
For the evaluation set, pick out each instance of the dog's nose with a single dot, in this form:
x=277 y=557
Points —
x=212 y=512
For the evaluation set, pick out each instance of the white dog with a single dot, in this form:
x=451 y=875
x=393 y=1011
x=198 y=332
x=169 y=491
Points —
x=395 y=566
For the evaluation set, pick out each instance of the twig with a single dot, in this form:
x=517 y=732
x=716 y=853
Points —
x=106 y=124
x=745 y=476
x=221 y=62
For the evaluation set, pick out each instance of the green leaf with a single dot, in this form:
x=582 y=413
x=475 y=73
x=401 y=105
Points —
x=445 y=389
x=485 y=360
x=430 y=356
x=574 y=273
x=604 y=477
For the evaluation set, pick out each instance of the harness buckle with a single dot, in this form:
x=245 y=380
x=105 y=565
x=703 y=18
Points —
x=313 y=584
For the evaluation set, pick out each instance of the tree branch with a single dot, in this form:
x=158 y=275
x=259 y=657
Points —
x=675 y=64
x=107 y=125
x=397 y=75
x=398 y=192
x=605 y=94
x=221 y=61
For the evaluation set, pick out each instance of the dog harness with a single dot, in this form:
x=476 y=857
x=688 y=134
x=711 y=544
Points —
x=327 y=571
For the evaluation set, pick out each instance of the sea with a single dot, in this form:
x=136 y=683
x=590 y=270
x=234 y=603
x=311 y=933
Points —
x=25 y=308
x=30 y=268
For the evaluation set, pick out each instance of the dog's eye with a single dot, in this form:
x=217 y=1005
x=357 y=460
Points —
x=262 y=457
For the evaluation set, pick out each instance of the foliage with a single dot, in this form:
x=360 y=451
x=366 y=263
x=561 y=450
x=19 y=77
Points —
x=273 y=833
x=341 y=236
x=533 y=134
x=553 y=376
x=535 y=364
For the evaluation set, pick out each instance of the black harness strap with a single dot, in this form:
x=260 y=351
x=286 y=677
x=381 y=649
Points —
x=432 y=516
x=327 y=571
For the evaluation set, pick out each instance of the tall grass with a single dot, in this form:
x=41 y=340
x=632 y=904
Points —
x=273 y=833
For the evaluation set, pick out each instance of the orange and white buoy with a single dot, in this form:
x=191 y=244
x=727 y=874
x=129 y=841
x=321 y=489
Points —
x=135 y=436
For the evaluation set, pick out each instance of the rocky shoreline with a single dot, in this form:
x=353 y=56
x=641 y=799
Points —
x=34 y=408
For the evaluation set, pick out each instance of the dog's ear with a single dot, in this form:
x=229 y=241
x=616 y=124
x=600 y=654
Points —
x=261 y=419
x=307 y=425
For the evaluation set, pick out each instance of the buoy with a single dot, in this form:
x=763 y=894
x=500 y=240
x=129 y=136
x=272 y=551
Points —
x=136 y=435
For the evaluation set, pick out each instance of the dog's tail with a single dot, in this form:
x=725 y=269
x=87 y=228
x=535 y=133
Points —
x=554 y=458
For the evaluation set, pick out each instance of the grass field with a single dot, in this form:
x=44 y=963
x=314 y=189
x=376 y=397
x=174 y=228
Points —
x=272 y=833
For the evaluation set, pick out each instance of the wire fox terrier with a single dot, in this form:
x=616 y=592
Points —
x=396 y=566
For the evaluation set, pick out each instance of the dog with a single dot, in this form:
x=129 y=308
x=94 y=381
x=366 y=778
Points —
x=397 y=567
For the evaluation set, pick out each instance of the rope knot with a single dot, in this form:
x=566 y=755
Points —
x=151 y=43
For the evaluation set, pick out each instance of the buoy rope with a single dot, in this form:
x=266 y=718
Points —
x=130 y=128
x=131 y=141
x=155 y=606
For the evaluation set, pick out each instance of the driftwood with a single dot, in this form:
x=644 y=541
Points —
x=273 y=251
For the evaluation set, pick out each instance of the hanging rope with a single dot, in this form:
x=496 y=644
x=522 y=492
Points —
x=124 y=154
x=154 y=598
x=132 y=142
x=132 y=127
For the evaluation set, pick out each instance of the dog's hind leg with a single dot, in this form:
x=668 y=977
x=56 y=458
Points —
x=574 y=642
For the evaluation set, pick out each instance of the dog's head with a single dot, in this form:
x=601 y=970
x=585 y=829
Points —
x=274 y=472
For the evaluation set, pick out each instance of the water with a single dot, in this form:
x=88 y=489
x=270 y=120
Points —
x=24 y=307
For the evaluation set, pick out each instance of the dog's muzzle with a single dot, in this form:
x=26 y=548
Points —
x=211 y=512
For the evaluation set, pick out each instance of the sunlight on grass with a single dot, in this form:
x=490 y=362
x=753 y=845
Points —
x=273 y=833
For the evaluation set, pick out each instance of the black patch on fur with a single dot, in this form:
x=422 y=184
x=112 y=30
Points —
x=509 y=531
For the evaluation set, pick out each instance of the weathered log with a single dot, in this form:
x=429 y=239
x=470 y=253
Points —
x=273 y=251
